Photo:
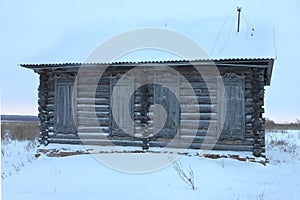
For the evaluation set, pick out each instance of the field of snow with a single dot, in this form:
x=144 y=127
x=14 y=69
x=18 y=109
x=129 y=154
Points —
x=84 y=177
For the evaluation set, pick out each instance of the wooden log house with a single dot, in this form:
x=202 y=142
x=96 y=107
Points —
x=69 y=104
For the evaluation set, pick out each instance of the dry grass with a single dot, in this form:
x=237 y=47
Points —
x=288 y=144
x=20 y=130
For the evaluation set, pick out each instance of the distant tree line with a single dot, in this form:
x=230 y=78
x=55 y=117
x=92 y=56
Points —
x=270 y=124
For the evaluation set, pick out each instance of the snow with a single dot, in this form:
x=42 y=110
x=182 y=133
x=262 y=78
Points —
x=15 y=155
x=84 y=177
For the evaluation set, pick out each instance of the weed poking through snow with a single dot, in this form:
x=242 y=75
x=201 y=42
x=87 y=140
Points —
x=187 y=177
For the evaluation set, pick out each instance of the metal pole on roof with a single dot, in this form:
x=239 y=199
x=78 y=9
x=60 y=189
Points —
x=239 y=9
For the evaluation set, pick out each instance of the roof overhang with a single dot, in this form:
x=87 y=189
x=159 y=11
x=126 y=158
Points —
x=265 y=63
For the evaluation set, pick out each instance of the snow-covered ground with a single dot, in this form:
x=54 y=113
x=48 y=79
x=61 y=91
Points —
x=84 y=177
x=15 y=155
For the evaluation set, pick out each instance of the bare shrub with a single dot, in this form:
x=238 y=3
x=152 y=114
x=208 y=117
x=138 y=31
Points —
x=278 y=143
x=283 y=145
x=187 y=177
x=261 y=195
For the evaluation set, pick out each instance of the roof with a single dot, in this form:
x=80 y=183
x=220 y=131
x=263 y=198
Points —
x=266 y=63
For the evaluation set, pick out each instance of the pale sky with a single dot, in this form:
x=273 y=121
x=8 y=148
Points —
x=54 y=31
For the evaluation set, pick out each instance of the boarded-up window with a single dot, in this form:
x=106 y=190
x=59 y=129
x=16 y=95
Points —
x=232 y=101
x=64 y=109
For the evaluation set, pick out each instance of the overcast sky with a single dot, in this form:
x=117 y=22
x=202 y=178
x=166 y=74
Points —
x=50 y=31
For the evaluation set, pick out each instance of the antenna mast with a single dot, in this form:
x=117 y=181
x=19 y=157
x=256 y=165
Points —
x=239 y=9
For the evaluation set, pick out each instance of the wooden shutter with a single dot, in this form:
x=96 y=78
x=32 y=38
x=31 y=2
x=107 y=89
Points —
x=122 y=119
x=64 y=101
x=233 y=98
x=166 y=93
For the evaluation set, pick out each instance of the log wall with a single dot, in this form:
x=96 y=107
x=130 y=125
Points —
x=93 y=115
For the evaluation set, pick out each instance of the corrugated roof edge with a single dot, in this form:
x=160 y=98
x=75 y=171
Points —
x=145 y=62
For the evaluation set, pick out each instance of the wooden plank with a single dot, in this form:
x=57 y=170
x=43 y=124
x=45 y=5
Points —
x=92 y=108
x=96 y=142
x=83 y=94
x=93 y=88
x=199 y=132
x=196 y=108
x=197 y=138
x=93 y=135
x=92 y=101
x=93 y=80
x=201 y=99
x=199 y=145
x=198 y=85
x=230 y=147
x=196 y=123
x=197 y=116
x=202 y=108
x=138 y=143
x=63 y=136
x=93 y=122
x=198 y=78
x=91 y=129
x=83 y=121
